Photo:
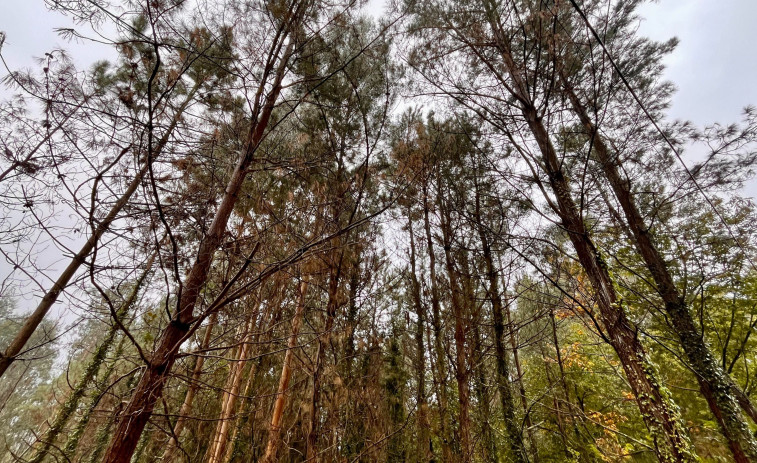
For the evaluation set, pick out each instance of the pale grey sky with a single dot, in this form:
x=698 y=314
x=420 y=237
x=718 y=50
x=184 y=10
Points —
x=30 y=32
x=714 y=67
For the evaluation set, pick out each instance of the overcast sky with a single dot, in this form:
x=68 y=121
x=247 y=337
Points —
x=714 y=67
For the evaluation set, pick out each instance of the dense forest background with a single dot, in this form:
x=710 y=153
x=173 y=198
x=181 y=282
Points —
x=288 y=231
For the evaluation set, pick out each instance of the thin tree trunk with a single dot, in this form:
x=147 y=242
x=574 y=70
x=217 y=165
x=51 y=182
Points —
x=33 y=321
x=423 y=445
x=268 y=320
x=557 y=408
x=194 y=383
x=659 y=413
x=286 y=374
x=476 y=360
x=353 y=424
x=461 y=328
x=714 y=382
x=70 y=406
x=521 y=386
x=484 y=402
x=150 y=387
x=242 y=410
x=331 y=308
x=441 y=359
x=517 y=448
x=220 y=437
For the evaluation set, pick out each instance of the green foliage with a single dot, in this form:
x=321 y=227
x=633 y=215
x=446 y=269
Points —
x=27 y=394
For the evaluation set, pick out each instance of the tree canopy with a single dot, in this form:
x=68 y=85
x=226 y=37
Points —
x=290 y=231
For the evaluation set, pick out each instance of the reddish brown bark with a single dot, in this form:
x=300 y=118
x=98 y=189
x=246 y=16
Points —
x=268 y=320
x=186 y=407
x=423 y=445
x=459 y=312
x=286 y=374
x=217 y=448
x=134 y=418
x=439 y=351
x=315 y=397
x=517 y=448
x=714 y=382
x=51 y=296
x=659 y=414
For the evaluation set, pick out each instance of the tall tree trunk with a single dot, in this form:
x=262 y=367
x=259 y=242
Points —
x=423 y=445
x=93 y=367
x=657 y=409
x=286 y=373
x=353 y=425
x=477 y=359
x=461 y=327
x=352 y=313
x=194 y=383
x=714 y=382
x=490 y=453
x=243 y=407
x=323 y=339
x=517 y=448
x=268 y=320
x=654 y=401
x=217 y=448
x=440 y=354
x=150 y=387
x=51 y=296
x=519 y=374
